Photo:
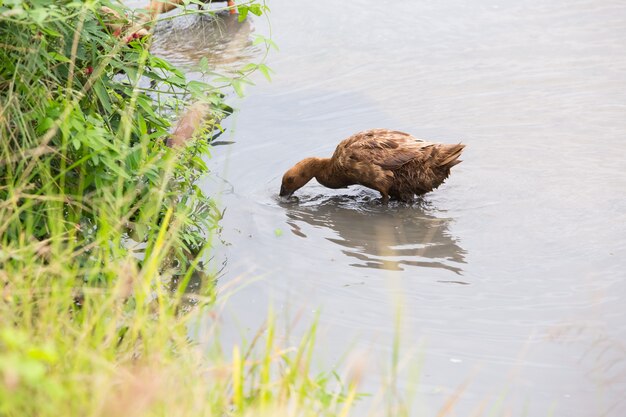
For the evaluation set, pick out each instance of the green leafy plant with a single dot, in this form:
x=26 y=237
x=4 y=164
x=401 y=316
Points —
x=85 y=117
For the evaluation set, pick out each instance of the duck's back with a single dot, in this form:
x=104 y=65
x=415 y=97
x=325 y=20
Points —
x=416 y=166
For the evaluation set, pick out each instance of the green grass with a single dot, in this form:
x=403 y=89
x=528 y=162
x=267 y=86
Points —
x=126 y=351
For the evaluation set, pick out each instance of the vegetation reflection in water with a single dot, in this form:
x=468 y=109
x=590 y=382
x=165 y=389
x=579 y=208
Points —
x=222 y=39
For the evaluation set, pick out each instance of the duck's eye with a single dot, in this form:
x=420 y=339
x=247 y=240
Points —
x=289 y=180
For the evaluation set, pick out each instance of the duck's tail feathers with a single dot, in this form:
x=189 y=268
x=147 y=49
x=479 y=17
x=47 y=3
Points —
x=449 y=154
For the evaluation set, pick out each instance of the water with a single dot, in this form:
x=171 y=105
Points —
x=511 y=275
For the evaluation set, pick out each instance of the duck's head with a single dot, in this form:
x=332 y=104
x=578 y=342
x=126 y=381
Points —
x=297 y=176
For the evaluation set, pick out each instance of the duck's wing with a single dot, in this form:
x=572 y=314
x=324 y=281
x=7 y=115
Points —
x=388 y=149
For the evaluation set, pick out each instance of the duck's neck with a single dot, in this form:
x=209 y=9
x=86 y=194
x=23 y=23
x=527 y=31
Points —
x=324 y=172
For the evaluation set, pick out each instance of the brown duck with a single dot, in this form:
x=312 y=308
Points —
x=394 y=163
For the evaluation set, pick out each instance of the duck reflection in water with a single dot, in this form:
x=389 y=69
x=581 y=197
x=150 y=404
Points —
x=379 y=237
x=219 y=37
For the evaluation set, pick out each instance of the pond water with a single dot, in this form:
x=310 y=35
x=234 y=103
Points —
x=508 y=277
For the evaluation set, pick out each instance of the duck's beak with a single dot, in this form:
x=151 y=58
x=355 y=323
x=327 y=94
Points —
x=284 y=192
